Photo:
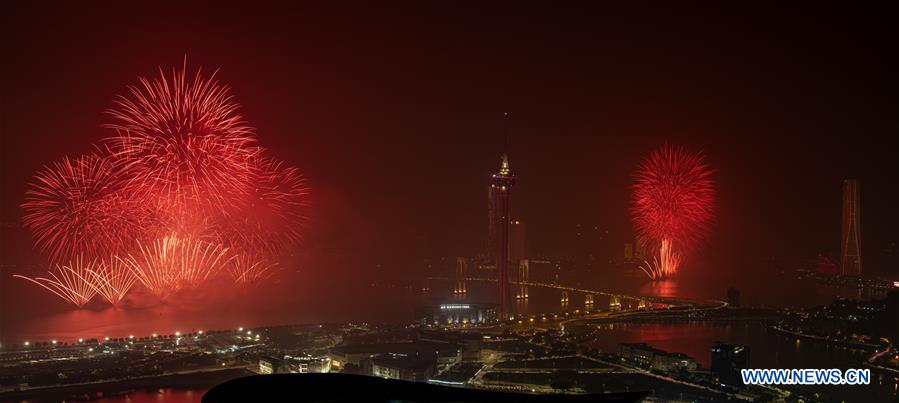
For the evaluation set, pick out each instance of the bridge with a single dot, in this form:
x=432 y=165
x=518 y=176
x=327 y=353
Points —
x=672 y=301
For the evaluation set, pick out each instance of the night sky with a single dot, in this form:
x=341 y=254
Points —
x=396 y=116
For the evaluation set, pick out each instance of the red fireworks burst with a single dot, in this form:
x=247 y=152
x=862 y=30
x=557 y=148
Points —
x=77 y=207
x=673 y=203
x=276 y=212
x=178 y=193
x=182 y=142
x=173 y=263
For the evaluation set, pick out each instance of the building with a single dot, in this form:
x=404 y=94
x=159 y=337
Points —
x=306 y=364
x=400 y=367
x=850 y=245
x=461 y=313
x=271 y=365
x=499 y=211
x=668 y=362
x=640 y=354
x=643 y=355
x=728 y=360
x=362 y=356
x=733 y=297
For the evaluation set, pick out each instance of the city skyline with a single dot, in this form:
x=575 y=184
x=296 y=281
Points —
x=682 y=200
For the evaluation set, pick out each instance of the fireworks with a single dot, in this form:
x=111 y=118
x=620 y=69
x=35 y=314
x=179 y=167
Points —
x=112 y=279
x=673 y=202
x=182 y=141
x=173 y=263
x=75 y=207
x=276 y=211
x=71 y=282
x=179 y=194
x=249 y=269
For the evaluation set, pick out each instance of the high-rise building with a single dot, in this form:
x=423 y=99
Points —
x=499 y=194
x=850 y=245
x=728 y=360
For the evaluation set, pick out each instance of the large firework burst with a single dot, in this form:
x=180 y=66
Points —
x=170 y=200
x=672 y=205
x=182 y=141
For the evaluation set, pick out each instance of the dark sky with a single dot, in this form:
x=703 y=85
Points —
x=396 y=114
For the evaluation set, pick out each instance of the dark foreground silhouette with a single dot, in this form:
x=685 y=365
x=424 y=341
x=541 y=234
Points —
x=345 y=388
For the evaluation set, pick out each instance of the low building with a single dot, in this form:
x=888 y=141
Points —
x=640 y=354
x=646 y=356
x=669 y=362
x=456 y=314
x=307 y=364
x=391 y=366
x=360 y=355
x=271 y=365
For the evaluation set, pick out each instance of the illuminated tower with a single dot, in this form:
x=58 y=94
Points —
x=850 y=245
x=499 y=193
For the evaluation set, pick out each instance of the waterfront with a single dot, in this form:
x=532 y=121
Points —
x=767 y=350
x=394 y=304
x=301 y=303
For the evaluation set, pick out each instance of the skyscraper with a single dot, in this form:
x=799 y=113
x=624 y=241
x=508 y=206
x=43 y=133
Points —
x=728 y=360
x=850 y=245
x=498 y=231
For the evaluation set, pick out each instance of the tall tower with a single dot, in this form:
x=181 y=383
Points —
x=851 y=245
x=499 y=194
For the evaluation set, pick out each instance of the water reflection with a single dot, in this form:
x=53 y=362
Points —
x=167 y=395
x=661 y=288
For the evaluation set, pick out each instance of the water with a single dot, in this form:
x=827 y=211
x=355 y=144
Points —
x=168 y=395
